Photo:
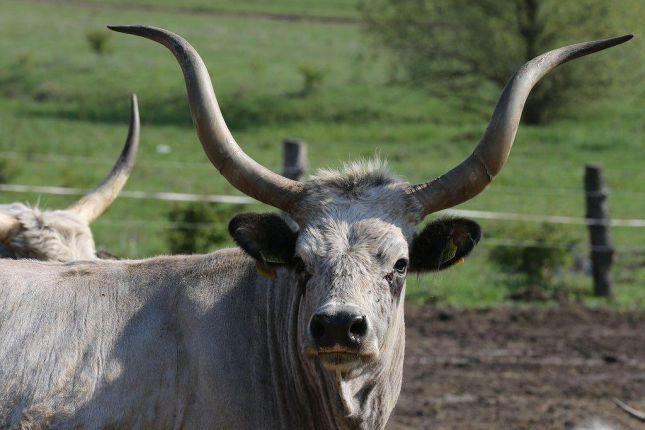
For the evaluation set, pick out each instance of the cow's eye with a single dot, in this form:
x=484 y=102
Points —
x=401 y=265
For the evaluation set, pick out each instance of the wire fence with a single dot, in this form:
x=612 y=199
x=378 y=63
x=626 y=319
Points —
x=213 y=198
x=41 y=157
x=490 y=241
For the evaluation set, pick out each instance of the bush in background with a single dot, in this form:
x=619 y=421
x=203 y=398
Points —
x=534 y=268
x=469 y=45
x=8 y=170
x=99 y=41
x=15 y=80
x=199 y=227
x=312 y=78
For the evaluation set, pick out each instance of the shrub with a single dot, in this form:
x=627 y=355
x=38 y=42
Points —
x=16 y=80
x=8 y=170
x=533 y=267
x=312 y=78
x=200 y=227
x=99 y=41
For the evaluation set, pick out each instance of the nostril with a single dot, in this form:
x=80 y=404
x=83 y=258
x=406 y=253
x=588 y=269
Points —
x=359 y=326
x=316 y=327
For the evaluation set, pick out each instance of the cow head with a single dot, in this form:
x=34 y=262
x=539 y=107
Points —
x=64 y=235
x=356 y=229
x=355 y=244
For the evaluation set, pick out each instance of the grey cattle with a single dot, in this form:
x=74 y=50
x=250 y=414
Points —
x=300 y=328
x=65 y=235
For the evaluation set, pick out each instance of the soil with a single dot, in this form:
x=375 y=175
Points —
x=515 y=368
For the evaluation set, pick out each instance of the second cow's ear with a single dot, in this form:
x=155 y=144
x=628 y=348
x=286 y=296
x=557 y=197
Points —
x=9 y=225
x=267 y=237
x=443 y=243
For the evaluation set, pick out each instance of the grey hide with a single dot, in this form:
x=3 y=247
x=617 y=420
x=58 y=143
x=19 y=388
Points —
x=205 y=341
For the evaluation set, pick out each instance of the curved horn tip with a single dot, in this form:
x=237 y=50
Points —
x=124 y=28
x=94 y=203
x=134 y=110
x=613 y=41
x=138 y=30
x=624 y=38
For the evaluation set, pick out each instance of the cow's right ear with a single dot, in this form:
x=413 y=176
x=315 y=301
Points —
x=8 y=227
x=266 y=237
x=443 y=243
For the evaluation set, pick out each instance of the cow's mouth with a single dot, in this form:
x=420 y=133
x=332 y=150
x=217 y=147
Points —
x=339 y=359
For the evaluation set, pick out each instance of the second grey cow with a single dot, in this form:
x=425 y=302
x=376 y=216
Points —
x=65 y=235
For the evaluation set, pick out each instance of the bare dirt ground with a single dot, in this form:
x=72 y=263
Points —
x=520 y=368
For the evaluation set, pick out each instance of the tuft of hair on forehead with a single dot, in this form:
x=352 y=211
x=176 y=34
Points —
x=364 y=182
x=354 y=176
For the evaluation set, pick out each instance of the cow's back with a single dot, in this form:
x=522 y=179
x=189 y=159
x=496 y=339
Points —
x=163 y=342
x=74 y=337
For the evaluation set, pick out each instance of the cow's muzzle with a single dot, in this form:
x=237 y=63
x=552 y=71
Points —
x=339 y=336
x=338 y=329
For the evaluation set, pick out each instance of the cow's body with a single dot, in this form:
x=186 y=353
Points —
x=198 y=341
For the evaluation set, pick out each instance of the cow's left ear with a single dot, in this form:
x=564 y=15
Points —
x=443 y=243
x=266 y=237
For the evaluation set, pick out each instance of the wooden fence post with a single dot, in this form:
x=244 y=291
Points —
x=295 y=159
x=602 y=252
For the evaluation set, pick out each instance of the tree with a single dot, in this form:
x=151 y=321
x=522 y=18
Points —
x=469 y=45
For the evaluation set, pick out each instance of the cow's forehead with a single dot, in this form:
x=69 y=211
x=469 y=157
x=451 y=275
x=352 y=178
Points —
x=359 y=212
x=359 y=191
x=334 y=240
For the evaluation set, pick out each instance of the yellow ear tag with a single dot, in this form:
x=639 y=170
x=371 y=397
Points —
x=461 y=261
x=266 y=270
x=449 y=252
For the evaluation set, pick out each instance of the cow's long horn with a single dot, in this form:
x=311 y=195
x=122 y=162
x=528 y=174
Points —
x=237 y=167
x=630 y=411
x=94 y=203
x=7 y=225
x=469 y=178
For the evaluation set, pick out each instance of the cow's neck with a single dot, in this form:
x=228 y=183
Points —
x=308 y=396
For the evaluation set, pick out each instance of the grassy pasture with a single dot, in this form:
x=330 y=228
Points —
x=341 y=10
x=64 y=114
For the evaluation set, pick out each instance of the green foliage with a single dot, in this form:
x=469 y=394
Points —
x=99 y=41
x=8 y=170
x=471 y=46
x=14 y=79
x=327 y=10
x=199 y=227
x=545 y=254
x=421 y=135
x=312 y=78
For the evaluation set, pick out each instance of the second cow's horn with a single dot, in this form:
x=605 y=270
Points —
x=94 y=203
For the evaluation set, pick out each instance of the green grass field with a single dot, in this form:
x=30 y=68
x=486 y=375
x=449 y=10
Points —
x=64 y=115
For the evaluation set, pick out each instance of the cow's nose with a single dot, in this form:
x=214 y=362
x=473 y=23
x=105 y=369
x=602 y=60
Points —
x=341 y=327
